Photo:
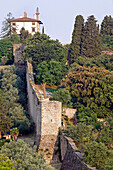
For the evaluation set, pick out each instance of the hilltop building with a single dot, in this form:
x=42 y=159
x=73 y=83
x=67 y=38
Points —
x=30 y=24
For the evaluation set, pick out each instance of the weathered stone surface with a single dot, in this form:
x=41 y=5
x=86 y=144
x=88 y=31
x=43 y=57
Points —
x=69 y=112
x=49 y=147
x=71 y=156
x=46 y=115
x=17 y=52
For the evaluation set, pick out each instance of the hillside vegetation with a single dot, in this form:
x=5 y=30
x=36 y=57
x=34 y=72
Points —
x=84 y=80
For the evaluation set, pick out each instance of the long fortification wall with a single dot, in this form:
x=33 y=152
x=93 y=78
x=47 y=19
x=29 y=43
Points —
x=46 y=114
x=34 y=105
x=47 y=117
x=71 y=156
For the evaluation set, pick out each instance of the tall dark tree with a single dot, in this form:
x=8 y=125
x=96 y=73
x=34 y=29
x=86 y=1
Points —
x=76 y=38
x=43 y=30
x=23 y=35
x=5 y=121
x=91 y=45
x=6 y=29
x=107 y=26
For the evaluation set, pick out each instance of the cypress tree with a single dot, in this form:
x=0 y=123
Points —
x=107 y=26
x=43 y=30
x=76 y=38
x=91 y=45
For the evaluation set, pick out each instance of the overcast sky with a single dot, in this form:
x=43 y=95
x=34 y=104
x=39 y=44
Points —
x=58 y=16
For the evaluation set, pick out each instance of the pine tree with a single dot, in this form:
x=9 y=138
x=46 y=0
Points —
x=76 y=38
x=6 y=29
x=91 y=45
x=107 y=26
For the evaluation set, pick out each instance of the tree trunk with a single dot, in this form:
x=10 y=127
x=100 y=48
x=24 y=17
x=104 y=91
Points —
x=14 y=136
x=44 y=89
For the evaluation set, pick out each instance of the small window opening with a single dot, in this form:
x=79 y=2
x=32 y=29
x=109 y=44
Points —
x=14 y=23
x=33 y=29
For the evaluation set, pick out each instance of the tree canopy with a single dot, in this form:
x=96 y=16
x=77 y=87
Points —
x=92 y=87
x=63 y=96
x=41 y=48
x=51 y=72
x=97 y=154
x=6 y=50
x=91 y=45
x=6 y=29
x=25 y=156
x=77 y=38
x=107 y=26
x=14 y=113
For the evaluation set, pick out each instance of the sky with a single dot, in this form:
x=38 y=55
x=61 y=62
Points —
x=58 y=16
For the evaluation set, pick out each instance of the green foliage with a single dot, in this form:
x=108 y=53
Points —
x=63 y=96
x=85 y=39
x=107 y=26
x=42 y=48
x=6 y=164
x=86 y=115
x=100 y=61
x=91 y=45
x=11 y=107
x=3 y=141
x=6 y=30
x=23 y=35
x=14 y=38
x=5 y=121
x=80 y=133
x=98 y=125
x=14 y=131
x=51 y=72
x=97 y=154
x=106 y=133
x=77 y=38
x=107 y=42
x=92 y=87
x=6 y=50
x=43 y=30
x=25 y=156
x=95 y=144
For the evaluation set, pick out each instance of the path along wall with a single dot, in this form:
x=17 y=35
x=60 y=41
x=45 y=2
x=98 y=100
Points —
x=46 y=115
x=71 y=156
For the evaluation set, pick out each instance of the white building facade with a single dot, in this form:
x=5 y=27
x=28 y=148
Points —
x=32 y=25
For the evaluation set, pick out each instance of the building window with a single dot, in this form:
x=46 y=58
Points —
x=14 y=24
x=33 y=29
x=33 y=23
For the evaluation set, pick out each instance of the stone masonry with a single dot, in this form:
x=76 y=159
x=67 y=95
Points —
x=71 y=156
x=46 y=115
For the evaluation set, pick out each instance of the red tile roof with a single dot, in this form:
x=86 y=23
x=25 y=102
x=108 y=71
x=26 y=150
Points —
x=25 y=19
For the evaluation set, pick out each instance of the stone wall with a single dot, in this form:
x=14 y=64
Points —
x=71 y=156
x=46 y=115
x=71 y=113
x=17 y=52
x=34 y=105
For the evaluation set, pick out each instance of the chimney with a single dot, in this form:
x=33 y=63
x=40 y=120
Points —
x=25 y=14
x=36 y=16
